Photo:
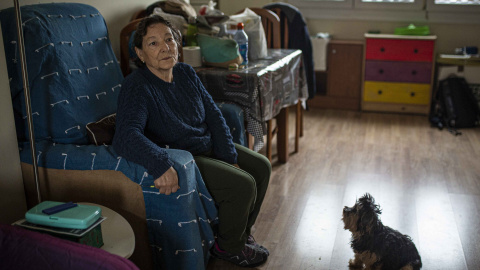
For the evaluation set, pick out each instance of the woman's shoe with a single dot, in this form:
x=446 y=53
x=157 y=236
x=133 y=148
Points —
x=251 y=241
x=250 y=256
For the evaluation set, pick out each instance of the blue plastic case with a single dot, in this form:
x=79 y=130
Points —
x=80 y=217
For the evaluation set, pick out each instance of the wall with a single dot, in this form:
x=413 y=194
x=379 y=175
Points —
x=117 y=13
x=450 y=36
x=230 y=7
x=12 y=196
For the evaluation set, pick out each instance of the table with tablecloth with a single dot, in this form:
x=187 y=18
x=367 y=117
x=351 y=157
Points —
x=262 y=89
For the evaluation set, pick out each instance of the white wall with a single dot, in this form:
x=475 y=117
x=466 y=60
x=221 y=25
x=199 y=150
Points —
x=117 y=13
x=12 y=196
x=449 y=36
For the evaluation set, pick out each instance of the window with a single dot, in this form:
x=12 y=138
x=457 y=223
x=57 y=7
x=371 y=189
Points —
x=417 y=11
x=453 y=5
x=389 y=4
x=454 y=11
x=457 y=2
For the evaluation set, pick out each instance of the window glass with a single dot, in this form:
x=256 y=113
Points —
x=457 y=2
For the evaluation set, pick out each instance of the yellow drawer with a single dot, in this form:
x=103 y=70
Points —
x=407 y=93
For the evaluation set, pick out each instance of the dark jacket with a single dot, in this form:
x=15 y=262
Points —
x=298 y=38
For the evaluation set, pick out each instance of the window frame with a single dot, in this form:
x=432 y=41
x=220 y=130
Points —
x=421 y=11
x=416 y=5
x=343 y=4
x=431 y=6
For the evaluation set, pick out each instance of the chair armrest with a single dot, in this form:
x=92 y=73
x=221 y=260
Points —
x=96 y=174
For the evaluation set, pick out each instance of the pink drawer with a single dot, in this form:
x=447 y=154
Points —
x=399 y=49
x=388 y=71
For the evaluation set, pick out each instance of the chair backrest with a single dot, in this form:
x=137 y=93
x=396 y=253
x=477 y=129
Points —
x=138 y=15
x=283 y=27
x=271 y=26
x=74 y=76
x=125 y=54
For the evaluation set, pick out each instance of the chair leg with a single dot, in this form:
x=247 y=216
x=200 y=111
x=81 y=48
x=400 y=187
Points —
x=282 y=139
x=269 y=139
x=298 y=123
x=301 y=119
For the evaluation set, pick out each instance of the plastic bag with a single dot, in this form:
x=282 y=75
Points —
x=257 y=42
x=210 y=9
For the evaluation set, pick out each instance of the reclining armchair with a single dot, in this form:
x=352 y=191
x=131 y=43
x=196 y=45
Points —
x=75 y=80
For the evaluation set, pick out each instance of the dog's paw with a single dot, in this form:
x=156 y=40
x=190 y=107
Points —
x=354 y=264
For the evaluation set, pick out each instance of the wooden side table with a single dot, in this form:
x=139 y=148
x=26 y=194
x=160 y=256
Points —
x=118 y=236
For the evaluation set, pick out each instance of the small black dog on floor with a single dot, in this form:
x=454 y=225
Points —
x=377 y=246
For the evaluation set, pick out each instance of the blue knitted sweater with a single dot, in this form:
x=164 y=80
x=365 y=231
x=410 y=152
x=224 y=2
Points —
x=153 y=114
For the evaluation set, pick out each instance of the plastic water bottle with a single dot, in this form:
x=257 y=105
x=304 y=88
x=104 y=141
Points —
x=242 y=40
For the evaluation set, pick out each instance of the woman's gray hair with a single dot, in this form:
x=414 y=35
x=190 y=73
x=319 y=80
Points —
x=142 y=29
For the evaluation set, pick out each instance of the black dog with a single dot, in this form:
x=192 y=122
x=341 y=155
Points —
x=377 y=246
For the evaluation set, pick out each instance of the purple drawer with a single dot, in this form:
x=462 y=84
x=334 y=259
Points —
x=386 y=71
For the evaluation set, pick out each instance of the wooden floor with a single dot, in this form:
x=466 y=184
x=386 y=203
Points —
x=427 y=182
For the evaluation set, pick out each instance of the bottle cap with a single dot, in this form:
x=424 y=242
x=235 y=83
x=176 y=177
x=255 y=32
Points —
x=240 y=26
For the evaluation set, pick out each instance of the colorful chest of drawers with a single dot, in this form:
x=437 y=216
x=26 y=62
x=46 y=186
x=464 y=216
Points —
x=398 y=73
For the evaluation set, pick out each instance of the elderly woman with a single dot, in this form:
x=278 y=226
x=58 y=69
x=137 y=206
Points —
x=163 y=105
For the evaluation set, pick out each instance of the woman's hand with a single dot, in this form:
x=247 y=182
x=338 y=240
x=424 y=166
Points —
x=168 y=182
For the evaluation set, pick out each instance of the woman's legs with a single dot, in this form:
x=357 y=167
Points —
x=239 y=194
x=260 y=168
x=234 y=193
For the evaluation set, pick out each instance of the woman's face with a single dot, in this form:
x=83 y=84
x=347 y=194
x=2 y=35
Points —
x=159 y=48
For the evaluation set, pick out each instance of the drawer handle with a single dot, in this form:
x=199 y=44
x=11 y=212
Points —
x=415 y=51
x=382 y=49
x=380 y=92
x=412 y=94
x=380 y=71
x=414 y=72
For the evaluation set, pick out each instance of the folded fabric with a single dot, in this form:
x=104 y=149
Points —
x=174 y=7
x=177 y=21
